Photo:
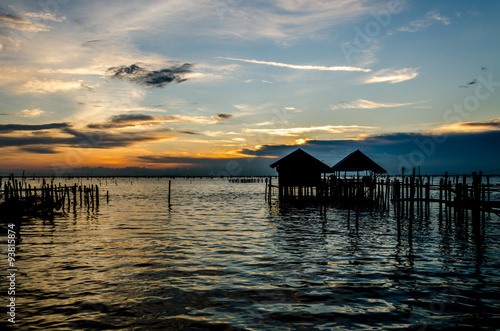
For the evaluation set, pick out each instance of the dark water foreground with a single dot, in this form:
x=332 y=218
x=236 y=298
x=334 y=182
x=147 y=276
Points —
x=221 y=258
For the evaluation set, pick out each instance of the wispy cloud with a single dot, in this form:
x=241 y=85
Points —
x=285 y=21
x=476 y=126
x=367 y=104
x=138 y=120
x=29 y=21
x=326 y=128
x=31 y=113
x=16 y=25
x=299 y=67
x=429 y=19
x=392 y=76
x=52 y=86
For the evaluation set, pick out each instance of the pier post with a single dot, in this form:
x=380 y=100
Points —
x=169 y=187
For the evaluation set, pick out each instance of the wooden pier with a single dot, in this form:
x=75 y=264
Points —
x=19 y=198
x=406 y=195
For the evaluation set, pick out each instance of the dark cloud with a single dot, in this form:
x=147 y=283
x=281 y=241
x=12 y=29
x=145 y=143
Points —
x=126 y=118
x=469 y=83
x=27 y=127
x=188 y=132
x=102 y=139
x=456 y=152
x=221 y=117
x=122 y=121
x=224 y=116
x=38 y=150
x=495 y=123
x=82 y=139
x=86 y=87
x=91 y=42
x=151 y=78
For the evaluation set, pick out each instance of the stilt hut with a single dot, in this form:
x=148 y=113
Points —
x=357 y=162
x=300 y=175
x=354 y=190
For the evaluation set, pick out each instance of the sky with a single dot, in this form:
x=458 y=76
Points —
x=226 y=87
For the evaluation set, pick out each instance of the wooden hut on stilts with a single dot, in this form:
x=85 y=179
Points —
x=353 y=189
x=300 y=175
x=357 y=162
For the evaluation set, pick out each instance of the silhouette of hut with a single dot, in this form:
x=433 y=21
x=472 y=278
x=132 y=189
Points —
x=356 y=162
x=299 y=174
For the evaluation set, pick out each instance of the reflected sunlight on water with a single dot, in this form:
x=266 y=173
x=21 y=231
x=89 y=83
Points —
x=222 y=258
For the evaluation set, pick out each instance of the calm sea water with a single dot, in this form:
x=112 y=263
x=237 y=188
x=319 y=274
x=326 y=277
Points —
x=222 y=258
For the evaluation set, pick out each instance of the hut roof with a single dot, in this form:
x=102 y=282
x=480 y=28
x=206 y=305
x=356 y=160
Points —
x=357 y=161
x=301 y=159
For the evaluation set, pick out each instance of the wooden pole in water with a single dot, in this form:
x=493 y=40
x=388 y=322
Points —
x=440 y=200
x=410 y=222
x=488 y=187
x=92 y=195
x=80 y=191
x=66 y=189
x=483 y=204
x=398 y=206
x=265 y=191
x=74 y=197
x=270 y=187
x=169 y=189
x=357 y=201
x=97 y=196
x=402 y=193
x=475 y=208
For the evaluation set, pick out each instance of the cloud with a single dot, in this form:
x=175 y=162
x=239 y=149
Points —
x=367 y=104
x=392 y=76
x=476 y=126
x=52 y=86
x=64 y=135
x=32 y=127
x=221 y=116
x=429 y=19
x=28 y=21
x=31 y=113
x=458 y=153
x=188 y=132
x=124 y=120
x=286 y=20
x=151 y=78
x=327 y=128
x=472 y=82
x=38 y=150
x=132 y=120
x=91 y=42
x=300 y=67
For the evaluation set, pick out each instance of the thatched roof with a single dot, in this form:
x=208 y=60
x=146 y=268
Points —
x=301 y=159
x=357 y=161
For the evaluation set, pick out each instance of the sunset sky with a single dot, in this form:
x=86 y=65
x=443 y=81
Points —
x=227 y=86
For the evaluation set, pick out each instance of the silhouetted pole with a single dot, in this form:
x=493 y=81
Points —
x=412 y=195
x=169 y=187
x=97 y=196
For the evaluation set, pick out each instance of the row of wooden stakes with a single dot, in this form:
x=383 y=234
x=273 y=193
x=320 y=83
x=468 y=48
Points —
x=19 y=197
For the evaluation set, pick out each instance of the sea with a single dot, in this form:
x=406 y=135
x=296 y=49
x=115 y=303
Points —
x=222 y=257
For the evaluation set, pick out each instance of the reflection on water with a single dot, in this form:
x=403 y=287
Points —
x=221 y=258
